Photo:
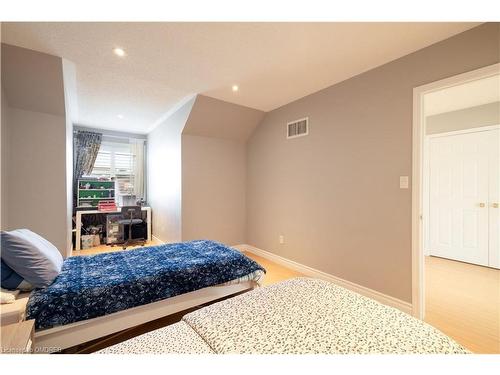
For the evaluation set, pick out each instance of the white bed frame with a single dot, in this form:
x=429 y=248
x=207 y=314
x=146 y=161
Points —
x=62 y=337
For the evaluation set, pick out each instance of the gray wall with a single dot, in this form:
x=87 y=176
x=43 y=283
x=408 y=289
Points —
x=36 y=176
x=335 y=194
x=214 y=170
x=213 y=189
x=164 y=174
x=33 y=80
x=468 y=118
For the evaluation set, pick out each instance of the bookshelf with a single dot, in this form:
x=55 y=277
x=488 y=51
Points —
x=91 y=191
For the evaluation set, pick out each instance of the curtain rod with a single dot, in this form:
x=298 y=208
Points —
x=104 y=134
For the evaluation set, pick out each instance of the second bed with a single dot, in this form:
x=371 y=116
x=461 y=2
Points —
x=297 y=316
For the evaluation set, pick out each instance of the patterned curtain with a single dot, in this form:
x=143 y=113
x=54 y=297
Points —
x=137 y=147
x=85 y=148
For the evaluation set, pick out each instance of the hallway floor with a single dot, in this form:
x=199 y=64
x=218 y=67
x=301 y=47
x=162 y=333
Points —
x=463 y=301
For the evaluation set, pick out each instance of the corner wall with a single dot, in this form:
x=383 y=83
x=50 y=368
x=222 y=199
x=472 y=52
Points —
x=213 y=189
x=36 y=175
x=70 y=111
x=36 y=133
x=334 y=195
x=164 y=174
x=214 y=170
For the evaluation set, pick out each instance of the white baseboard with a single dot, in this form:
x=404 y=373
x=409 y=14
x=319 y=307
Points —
x=311 y=272
x=157 y=239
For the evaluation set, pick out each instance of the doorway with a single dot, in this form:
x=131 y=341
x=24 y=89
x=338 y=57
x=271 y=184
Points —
x=455 y=207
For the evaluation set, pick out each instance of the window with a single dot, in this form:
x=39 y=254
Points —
x=117 y=160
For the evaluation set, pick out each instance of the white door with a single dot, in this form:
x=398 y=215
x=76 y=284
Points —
x=494 y=199
x=459 y=188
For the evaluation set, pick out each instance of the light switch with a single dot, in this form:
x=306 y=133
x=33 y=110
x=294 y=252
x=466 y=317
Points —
x=403 y=182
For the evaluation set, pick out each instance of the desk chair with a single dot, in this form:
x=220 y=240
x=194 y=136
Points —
x=132 y=215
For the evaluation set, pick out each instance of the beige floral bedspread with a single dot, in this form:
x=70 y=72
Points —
x=301 y=316
x=177 y=338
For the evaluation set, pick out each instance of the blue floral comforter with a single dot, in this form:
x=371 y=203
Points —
x=93 y=286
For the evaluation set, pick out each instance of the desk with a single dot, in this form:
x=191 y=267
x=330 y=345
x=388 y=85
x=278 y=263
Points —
x=79 y=214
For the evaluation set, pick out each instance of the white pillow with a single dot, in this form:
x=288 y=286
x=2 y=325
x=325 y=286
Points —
x=31 y=256
x=8 y=296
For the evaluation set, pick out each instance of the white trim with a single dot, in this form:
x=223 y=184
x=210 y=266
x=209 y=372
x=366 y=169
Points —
x=417 y=174
x=157 y=239
x=312 y=272
x=241 y=247
x=79 y=332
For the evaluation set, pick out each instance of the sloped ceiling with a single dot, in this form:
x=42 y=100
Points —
x=33 y=80
x=273 y=63
x=211 y=117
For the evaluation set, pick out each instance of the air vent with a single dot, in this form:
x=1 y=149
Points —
x=297 y=128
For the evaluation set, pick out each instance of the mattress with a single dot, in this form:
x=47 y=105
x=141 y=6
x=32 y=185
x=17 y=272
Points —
x=178 y=338
x=98 y=285
x=298 y=316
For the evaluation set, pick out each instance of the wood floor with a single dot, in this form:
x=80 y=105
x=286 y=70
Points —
x=275 y=272
x=109 y=249
x=463 y=301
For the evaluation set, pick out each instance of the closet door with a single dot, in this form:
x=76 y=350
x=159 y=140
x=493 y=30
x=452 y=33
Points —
x=494 y=199
x=459 y=184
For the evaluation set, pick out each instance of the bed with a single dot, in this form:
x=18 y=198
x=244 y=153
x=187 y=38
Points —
x=102 y=294
x=297 y=316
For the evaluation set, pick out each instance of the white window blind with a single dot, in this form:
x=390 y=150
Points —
x=116 y=160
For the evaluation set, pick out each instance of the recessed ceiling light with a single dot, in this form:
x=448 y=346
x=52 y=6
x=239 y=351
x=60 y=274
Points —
x=235 y=88
x=120 y=117
x=119 y=51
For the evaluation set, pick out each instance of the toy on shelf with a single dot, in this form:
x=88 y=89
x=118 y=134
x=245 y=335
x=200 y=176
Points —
x=106 y=205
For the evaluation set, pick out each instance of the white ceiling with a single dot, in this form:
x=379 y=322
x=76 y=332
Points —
x=471 y=94
x=273 y=63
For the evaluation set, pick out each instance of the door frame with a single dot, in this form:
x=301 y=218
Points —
x=418 y=158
